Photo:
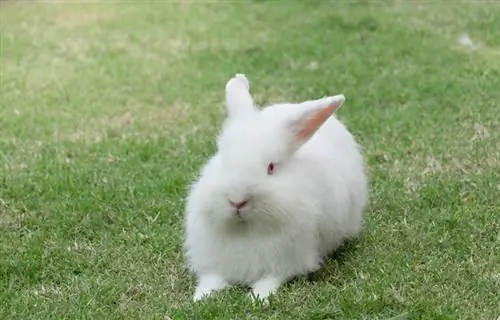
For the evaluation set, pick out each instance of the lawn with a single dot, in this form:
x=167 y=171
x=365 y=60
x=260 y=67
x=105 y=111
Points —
x=108 y=109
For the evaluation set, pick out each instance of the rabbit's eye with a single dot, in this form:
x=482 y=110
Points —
x=270 y=168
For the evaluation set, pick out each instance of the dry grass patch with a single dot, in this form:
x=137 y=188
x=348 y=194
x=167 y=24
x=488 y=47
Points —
x=10 y=217
x=178 y=120
x=451 y=21
x=71 y=19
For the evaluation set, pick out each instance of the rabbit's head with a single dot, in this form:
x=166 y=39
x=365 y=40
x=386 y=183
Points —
x=254 y=174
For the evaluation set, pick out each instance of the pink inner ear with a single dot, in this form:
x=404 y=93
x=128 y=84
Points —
x=312 y=124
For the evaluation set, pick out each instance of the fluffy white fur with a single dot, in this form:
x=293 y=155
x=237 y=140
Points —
x=306 y=209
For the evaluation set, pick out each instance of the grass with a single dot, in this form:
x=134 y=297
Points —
x=108 y=109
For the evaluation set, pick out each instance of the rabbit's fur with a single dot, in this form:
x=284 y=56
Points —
x=298 y=210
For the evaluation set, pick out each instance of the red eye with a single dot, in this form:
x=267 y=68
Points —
x=270 y=168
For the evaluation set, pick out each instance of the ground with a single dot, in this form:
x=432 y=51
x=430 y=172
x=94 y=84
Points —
x=108 y=109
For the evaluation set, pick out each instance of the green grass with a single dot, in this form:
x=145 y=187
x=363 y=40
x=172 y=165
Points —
x=108 y=109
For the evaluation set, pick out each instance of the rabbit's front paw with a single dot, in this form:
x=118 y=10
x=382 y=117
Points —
x=263 y=288
x=207 y=285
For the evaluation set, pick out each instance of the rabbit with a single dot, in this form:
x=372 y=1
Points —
x=286 y=187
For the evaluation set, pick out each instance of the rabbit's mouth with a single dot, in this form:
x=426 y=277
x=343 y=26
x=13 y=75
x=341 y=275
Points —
x=238 y=221
x=240 y=214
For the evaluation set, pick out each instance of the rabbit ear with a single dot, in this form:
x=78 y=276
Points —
x=238 y=98
x=311 y=115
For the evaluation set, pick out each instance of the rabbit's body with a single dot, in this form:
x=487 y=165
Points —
x=305 y=211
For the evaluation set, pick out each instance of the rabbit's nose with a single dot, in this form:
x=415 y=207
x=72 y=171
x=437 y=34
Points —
x=238 y=205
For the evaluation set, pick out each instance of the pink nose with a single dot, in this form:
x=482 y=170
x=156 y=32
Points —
x=238 y=205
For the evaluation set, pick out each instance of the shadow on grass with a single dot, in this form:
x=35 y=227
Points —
x=338 y=257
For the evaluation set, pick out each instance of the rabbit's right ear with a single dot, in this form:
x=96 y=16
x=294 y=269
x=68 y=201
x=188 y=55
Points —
x=238 y=98
x=309 y=116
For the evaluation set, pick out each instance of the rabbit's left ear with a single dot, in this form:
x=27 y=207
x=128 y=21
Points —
x=238 y=98
x=311 y=115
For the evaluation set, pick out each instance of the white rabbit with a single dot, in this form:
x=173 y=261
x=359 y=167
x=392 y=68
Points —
x=286 y=187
